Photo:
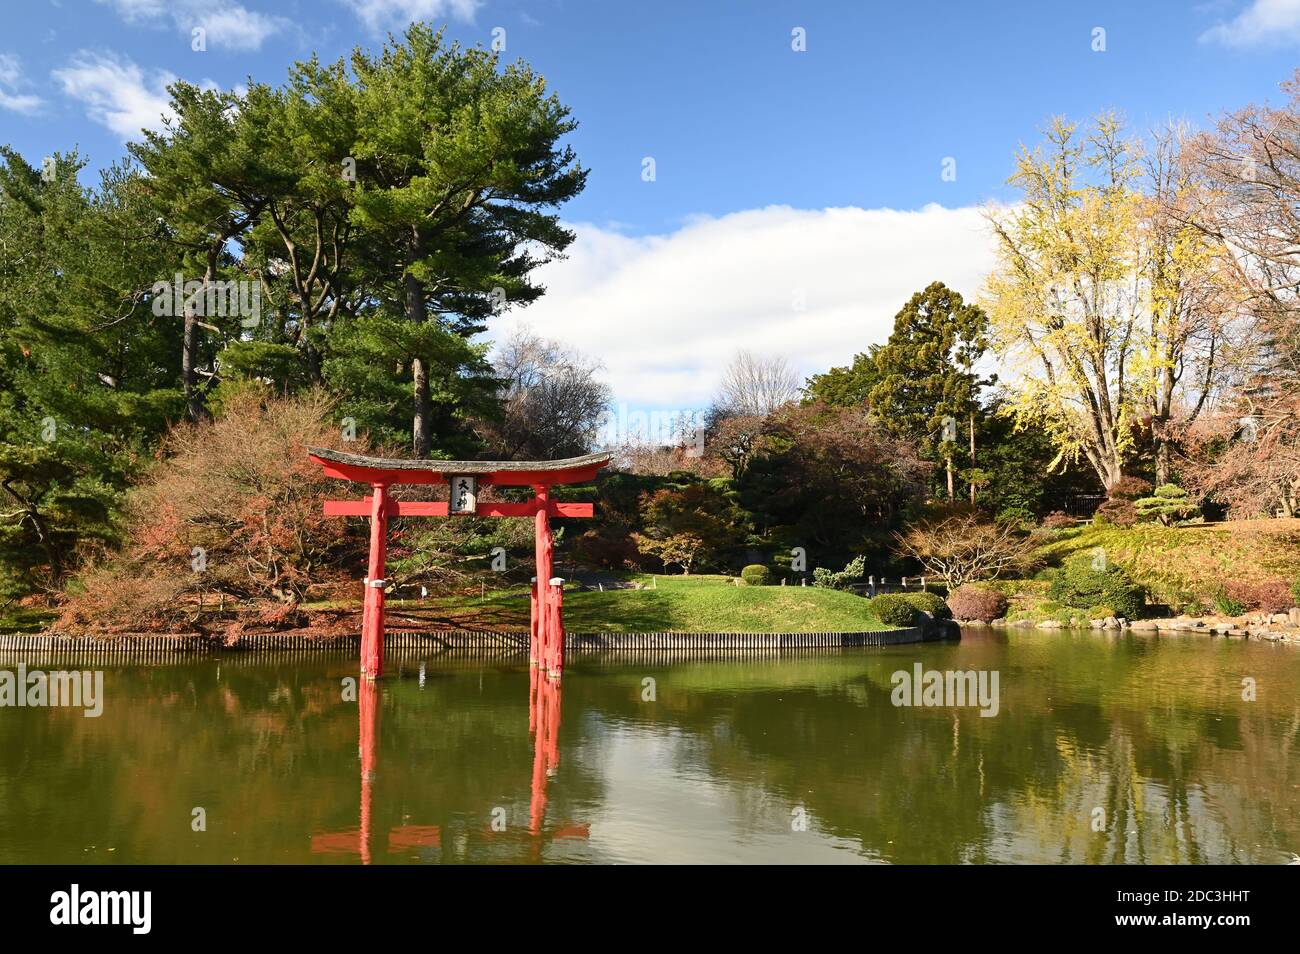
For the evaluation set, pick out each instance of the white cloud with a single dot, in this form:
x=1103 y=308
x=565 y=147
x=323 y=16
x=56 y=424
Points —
x=666 y=313
x=116 y=92
x=1262 y=23
x=11 y=81
x=229 y=25
x=138 y=11
x=380 y=15
x=234 y=26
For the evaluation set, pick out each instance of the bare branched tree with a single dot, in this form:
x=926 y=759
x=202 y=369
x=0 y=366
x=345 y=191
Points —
x=553 y=403
x=965 y=548
x=755 y=387
x=1248 y=455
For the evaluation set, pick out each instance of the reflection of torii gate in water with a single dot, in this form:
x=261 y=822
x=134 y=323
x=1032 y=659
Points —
x=546 y=643
x=543 y=727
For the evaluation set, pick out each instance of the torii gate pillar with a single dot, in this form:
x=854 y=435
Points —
x=372 y=607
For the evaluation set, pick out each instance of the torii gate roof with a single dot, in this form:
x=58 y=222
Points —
x=518 y=473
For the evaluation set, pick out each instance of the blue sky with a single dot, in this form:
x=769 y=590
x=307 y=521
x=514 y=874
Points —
x=755 y=145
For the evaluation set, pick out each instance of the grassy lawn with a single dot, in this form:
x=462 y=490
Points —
x=696 y=604
x=1194 y=559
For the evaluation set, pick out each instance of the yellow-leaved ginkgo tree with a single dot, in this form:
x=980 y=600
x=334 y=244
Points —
x=1105 y=312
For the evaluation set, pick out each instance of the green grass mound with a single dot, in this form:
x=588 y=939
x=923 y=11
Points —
x=694 y=604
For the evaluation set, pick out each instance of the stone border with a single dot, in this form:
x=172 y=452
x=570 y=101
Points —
x=168 y=646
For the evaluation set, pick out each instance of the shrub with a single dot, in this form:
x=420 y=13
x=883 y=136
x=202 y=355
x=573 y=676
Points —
x=931 y=603
x=1116 y=511
x=1079 y=585
x=242 y=489
x=1266 y=596
x=1017 y=516
x=852 y=573
x=1168 y=504
x=977 y=602
x=1100 y=611
x=1225 y=605
x=1057 y=520
x=964 y=547
x=1130 y=488
x=756 y=575
x=892 y=609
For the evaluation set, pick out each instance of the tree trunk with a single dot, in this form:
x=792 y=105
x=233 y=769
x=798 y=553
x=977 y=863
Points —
x=951 y=491
x=193 y=406
x=1162 y=452
x=313 y=365
x=421 y=425
x=422 y=419
x=189 y=348
x=972 y=457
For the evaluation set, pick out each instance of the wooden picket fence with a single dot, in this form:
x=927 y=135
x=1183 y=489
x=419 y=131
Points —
x=506 y=643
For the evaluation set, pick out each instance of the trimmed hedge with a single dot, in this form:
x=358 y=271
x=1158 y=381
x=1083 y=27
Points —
x=756 y=575
x=893 y=609
x=1079 y=585
x=931 y=603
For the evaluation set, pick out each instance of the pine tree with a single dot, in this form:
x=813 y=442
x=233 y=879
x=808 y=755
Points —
x=87 y=372
x=927 y=388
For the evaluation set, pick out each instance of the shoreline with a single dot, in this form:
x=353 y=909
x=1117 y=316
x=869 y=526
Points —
x=479 y=639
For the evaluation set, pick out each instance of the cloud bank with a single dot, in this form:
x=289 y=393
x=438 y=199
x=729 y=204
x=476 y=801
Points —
x=1262 y=23
x=665 y=313
x=226 y=25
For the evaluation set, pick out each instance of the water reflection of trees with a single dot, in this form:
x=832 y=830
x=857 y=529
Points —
x=271 y=755
x=1154 y=733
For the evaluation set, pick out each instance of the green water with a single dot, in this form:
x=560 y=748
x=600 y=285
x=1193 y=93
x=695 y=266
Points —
x=800 y=759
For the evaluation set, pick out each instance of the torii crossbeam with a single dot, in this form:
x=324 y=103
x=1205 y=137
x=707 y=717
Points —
x=464 y=477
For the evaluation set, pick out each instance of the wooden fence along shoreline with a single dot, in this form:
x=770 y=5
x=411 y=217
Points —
x=494 y=643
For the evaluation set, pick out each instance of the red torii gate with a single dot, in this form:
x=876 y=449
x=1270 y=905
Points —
x=546 y=642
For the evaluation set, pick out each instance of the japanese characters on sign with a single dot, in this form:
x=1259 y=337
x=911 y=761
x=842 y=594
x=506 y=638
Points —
x=464 y=494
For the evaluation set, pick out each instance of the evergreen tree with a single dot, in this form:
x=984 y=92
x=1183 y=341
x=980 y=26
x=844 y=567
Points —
x=87 y=372
x=927 y=389
x=457 y=163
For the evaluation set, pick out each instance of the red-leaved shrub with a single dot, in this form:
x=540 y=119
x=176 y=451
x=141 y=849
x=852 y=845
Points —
x=977 y=603
x=1117 y=511
x=1264 y=596
x=1057 y=520
x=229 y=523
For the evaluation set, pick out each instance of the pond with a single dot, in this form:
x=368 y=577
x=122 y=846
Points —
x=1103 y=749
